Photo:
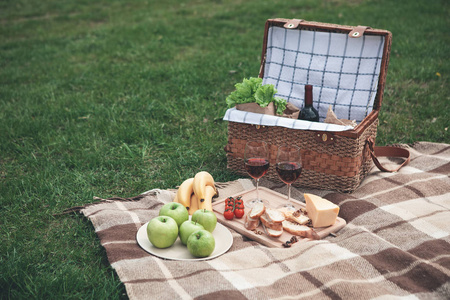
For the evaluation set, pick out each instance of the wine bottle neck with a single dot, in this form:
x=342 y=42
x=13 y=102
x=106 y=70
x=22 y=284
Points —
x=308 y=95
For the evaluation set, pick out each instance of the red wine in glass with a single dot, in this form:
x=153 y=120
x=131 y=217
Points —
x=289 y=168
x=256 y=162
x=289 y=172
x=256 y=167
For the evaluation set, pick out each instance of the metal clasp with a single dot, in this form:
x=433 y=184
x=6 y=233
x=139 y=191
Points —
x=325 y=138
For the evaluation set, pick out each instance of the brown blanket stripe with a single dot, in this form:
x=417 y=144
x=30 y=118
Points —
x=396 y=243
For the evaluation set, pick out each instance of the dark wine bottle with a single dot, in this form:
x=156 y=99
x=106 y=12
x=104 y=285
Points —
x=308 y=112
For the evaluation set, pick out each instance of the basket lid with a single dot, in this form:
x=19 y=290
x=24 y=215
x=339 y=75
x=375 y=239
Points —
x=343 y=70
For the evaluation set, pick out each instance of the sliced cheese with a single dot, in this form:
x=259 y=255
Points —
x=321 y=211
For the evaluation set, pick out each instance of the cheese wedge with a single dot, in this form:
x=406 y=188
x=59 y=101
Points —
x=322 y=212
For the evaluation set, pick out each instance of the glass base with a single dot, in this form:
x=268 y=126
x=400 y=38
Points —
x=252 y=203
x=288 y=207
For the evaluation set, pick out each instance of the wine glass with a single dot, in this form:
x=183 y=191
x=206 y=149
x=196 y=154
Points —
x=256 y=160
x=289 y=167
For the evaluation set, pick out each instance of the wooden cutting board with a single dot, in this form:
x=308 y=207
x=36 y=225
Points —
x=274 y=200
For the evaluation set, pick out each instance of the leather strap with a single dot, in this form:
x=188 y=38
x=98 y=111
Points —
x=388 y=152
x=358 y=31
x=293 y=23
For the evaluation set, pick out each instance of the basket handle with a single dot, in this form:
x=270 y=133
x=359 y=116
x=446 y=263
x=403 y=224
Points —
x=389 y=152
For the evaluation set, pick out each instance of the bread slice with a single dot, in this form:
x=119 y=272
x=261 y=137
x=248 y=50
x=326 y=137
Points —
x=257 y=210
x=250 y=223
x=271 y=225
x=272 y=232
x=300 y=230
x=274 y=216
x=295 y=216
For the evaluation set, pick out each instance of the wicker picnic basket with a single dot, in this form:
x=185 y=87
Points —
x=332 y=160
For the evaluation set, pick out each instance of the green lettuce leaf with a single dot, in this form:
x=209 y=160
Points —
x=264 y=94
x=255 y=83
x=251 y=90
x=280 y=105
x=245 y=92
x=232 y=100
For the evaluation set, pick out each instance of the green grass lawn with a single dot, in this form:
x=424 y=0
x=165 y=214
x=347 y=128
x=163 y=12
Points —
x=113 y=98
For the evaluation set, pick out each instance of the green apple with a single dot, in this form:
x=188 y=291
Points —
x=205 y=217
x=162 y=231
x=201 y=243
x=187 y=228
x=176 y=211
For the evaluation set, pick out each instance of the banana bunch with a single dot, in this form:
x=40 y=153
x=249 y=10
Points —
x=197 y=192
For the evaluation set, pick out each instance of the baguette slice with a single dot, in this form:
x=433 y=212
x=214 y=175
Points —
x=274 y=216
x=271 y=225
x=272 y=232
x=295 y=216
x=300 y=230
x=250 y=223
x=257 y=210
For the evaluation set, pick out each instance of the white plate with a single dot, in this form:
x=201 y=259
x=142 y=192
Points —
x=178 y=251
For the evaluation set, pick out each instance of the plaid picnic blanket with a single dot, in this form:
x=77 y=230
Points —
x=396 y=244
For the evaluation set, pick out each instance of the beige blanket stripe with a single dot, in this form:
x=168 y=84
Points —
x=239 y=282
x=172 y=282
x=401 y=186
x=377 y=279
x=393 y=238
x=133 y=216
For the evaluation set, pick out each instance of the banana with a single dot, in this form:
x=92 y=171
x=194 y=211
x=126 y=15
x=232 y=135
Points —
x=194 y=204
x=210 y=192
x=184 y=192
x=201 y=181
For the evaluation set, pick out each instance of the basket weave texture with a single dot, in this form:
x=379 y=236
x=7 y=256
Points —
x=331 y=160
x=339 y=166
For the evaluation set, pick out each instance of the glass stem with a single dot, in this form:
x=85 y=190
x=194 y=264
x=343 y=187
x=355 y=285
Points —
x=289 y=195
x=257 y=191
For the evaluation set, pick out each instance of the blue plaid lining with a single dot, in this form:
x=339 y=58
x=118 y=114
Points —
x=323 y=73
x=284 y=55
x=378 y=60
x=350 y=77
x=245 y=117
x=293 y=72
x=356 y=81
x=312 y=55
x=324 y=87
x=234 y=115
x=324 y=55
